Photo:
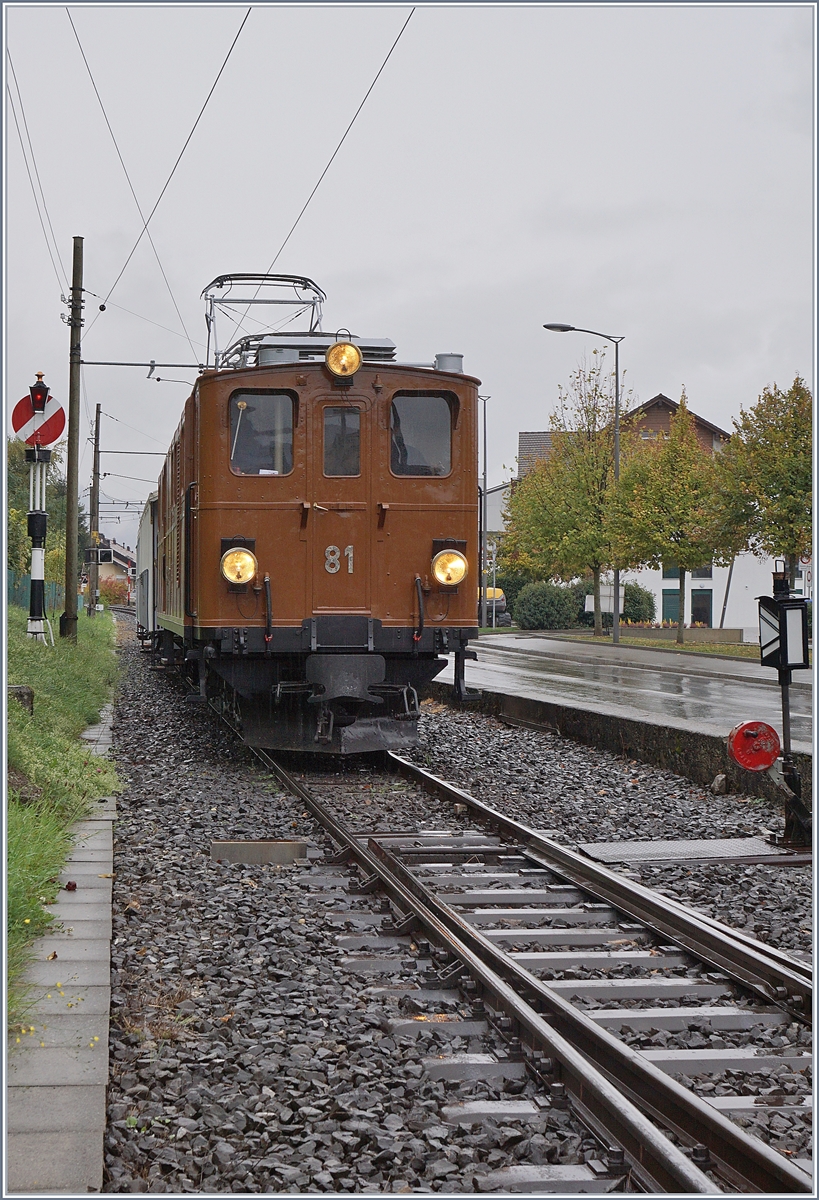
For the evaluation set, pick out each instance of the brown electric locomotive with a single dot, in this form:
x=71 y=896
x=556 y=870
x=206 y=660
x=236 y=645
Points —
x=312 y=550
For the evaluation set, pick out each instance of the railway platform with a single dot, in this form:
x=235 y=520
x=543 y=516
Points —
x=670 y=708
x=699 y=692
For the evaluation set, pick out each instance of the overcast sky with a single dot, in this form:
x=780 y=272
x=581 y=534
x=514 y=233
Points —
x=644 y=170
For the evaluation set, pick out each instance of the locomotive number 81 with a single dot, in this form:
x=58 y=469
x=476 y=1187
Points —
x=308 y=552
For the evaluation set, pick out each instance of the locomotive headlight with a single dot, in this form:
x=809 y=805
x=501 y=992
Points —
x=238 y=566
x=449 y=567
x=343 y=358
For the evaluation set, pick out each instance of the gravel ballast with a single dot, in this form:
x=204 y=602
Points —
x=246 y=1055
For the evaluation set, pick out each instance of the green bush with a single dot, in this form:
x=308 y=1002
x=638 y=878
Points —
x=511 y=583
x=545 y=606
x=638 y=603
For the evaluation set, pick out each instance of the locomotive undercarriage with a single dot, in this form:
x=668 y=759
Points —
x=319 y=703
x=340 y=684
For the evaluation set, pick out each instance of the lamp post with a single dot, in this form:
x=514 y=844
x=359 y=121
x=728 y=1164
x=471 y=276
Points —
x=557 y=328
x=483 y=520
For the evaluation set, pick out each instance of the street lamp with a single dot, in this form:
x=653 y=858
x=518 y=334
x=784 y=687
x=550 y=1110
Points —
x=557 y=328
x=483 y=520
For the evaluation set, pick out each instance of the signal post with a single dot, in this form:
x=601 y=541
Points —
x=40 y=420
x=783 y=644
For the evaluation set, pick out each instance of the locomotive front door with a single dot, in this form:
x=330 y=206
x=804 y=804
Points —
x=340 y=502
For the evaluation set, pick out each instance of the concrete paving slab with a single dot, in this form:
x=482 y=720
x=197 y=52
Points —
x=42 y=1110
x=85 y=879
x=91 y=1001
x=68 y=901
x=70 y=975
x=86 y=854
x=94 y=835
x=100 y=927
x=58 y=1066
x=66 y=1030
x=71 y=950
x=59 y=1164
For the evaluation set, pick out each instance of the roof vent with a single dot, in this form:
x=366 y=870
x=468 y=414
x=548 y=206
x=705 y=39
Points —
x=270 y=355
x=450 y=362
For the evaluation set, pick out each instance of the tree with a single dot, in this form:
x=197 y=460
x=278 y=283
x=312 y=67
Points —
x=556 y=514
x=665 y=508
x=764 y=474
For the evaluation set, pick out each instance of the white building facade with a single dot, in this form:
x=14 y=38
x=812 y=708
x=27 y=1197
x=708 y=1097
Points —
x=719 y=597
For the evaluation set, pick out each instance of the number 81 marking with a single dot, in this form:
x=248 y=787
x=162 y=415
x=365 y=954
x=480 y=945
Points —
x=332 y=559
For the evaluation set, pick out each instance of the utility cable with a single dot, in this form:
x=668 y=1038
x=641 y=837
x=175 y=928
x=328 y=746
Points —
x=327 y=168
x=176 y=164
x=33 y=189
x=34 y=164
x=135 y=430
x=114 y=475
x=140 y=317
x=130 y=184
x=340 y=144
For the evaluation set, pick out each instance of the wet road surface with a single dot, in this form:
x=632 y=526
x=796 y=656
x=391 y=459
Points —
x=676 y=689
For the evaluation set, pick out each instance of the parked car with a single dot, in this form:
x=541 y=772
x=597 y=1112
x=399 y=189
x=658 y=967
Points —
x=495 y=605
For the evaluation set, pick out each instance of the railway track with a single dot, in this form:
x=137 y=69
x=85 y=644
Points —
x=493 y=911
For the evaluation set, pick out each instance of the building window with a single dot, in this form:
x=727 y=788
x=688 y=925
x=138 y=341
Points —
x=703 y=572
x=671 y=571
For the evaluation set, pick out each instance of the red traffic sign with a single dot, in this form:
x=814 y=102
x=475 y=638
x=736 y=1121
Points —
x=754 y=745
x=38 y=429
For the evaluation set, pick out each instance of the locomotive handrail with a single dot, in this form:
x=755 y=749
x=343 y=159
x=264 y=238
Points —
x=188 y=527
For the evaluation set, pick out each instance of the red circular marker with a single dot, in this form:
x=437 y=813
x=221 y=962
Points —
x=754 y=745
x=38 y=429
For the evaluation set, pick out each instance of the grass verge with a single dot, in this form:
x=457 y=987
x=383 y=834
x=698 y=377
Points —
x=52 y=775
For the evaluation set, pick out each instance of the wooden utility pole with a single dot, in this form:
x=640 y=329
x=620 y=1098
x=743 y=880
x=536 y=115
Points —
x=68 y=620
x=93 y=566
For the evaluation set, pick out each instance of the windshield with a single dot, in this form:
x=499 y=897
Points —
x=261 y=433
x=421 y=434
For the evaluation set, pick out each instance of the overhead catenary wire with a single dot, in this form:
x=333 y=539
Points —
x=33 y=189
x=340 y=144
x=176 y=164
x=140 y=317
x=36 y=170
x=128 y=178
x=133 y=428
x=329 y=164
x=114 y=475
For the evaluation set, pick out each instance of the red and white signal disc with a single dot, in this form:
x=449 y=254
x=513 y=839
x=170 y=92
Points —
x=754 y=745
x=38 y=429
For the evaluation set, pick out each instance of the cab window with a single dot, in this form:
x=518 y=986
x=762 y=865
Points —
x=261 y=433
x=342 y=441
x=420 y=434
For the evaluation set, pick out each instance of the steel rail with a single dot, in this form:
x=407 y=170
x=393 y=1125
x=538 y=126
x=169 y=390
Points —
x=773 y=975
x=739 y=1158
x=657 y=1162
